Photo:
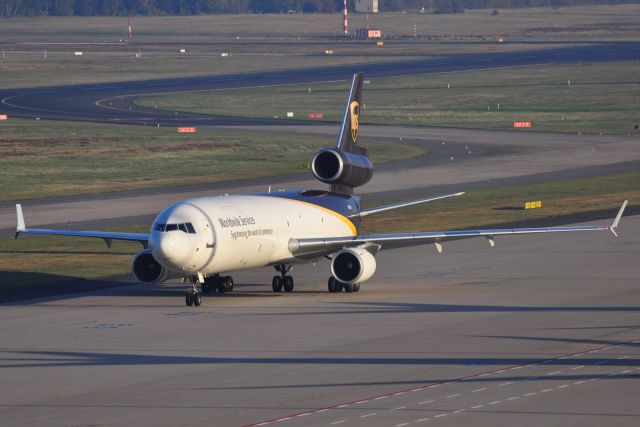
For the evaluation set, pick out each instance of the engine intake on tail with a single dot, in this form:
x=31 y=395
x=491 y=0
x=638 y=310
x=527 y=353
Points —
x=353 y=265
x=146 y=269
x=339 y=167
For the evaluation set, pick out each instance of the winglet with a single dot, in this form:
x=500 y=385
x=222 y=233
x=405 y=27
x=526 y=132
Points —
x=616 y=221
x=20 y=220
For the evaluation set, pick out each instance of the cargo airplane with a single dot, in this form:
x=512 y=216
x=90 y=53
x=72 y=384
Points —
x=199 y=239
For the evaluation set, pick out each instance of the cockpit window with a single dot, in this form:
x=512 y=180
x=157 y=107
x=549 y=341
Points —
x=186 y=227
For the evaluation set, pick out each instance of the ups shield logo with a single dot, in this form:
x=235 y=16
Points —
x=354 y=109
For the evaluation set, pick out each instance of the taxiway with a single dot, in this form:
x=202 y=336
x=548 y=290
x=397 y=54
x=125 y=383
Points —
x=540 y=330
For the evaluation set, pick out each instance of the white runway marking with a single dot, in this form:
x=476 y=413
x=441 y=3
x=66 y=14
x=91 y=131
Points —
x=431 y=386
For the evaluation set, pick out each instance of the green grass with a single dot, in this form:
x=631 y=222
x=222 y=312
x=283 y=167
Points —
x=288 y=41
x=506 y=204
x=588 y=98
x=52 y=259
x=50 y=158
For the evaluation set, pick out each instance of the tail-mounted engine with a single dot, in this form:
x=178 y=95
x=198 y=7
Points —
x=353 y=265
x=146 y=269
x=346 y=166
x=341 y=168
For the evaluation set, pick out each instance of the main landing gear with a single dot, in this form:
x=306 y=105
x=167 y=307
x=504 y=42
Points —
x=282 y=281
x=335 y=286
x=217 y=283
x=208 y=285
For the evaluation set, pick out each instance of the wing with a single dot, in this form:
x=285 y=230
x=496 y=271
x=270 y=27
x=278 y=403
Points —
x=319 y=246
x=107 y=236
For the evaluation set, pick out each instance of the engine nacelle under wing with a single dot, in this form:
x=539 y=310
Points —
x=353 y=265
x=146 y=269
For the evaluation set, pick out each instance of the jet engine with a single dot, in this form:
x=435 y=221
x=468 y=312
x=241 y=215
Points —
x=146 y=269
x=353 y=265
x=339 y=167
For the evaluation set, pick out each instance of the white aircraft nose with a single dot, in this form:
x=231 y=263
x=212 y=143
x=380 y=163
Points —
x=173 y=249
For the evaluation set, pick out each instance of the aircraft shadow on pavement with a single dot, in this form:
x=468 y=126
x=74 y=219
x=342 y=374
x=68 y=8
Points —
x=365 y=307
x=58 y=287
x=52 y=358
x=30 y=285
x=416 y=382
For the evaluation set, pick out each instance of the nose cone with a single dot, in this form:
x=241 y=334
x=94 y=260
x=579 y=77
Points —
x=179 y=236
x=172 y=249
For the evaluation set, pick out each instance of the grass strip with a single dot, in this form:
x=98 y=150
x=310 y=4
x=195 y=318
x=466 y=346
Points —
x=41 y=158
x=589 y=98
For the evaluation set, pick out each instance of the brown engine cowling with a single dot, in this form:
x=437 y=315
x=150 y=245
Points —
x=341 y=168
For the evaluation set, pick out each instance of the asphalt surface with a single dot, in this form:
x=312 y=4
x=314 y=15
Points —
x=111 y=102
x=541 y=330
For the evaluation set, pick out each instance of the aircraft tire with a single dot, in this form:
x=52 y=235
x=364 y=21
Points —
x=228 y=283
x=334 y=286
x=348 y=287
x=189 y=299
x=288 y=284
x=276 y=284
x=356 y=287
x=197 y=299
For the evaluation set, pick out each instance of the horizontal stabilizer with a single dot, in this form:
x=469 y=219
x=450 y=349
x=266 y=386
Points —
x=385 y=208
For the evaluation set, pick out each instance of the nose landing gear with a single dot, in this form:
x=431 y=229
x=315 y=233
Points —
x=194 y=297
x=204 y=285
x=282 y=281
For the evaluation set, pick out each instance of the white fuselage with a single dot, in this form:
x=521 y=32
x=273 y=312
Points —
x=237 y=232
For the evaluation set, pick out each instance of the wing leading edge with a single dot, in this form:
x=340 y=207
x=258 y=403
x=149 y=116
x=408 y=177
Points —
x=329 y=245
x=107 y=236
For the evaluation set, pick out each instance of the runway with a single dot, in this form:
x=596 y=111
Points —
x=539 y=330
